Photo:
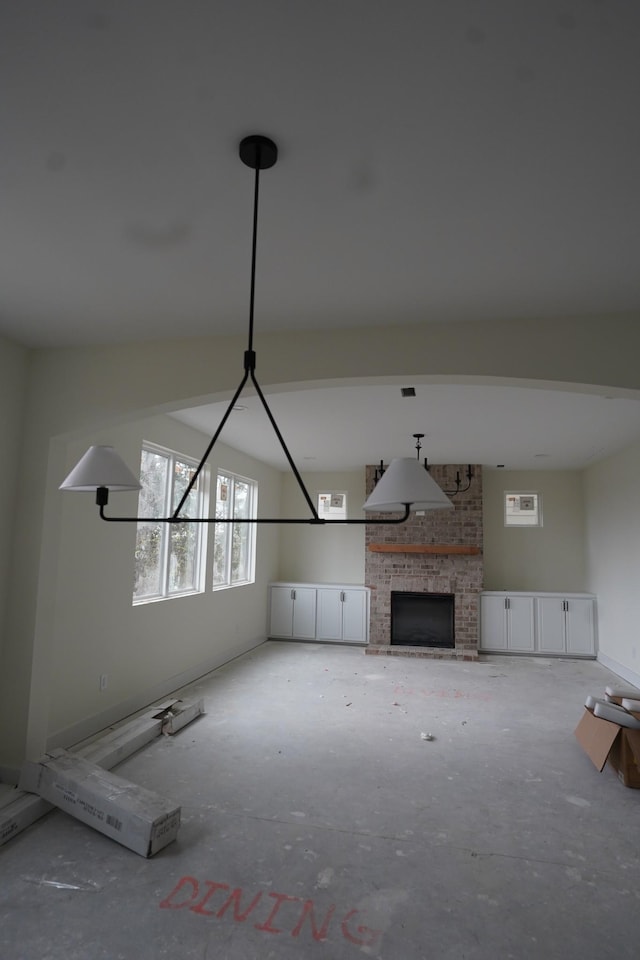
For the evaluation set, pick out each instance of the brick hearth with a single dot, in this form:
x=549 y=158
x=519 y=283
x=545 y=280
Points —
x=459 y=574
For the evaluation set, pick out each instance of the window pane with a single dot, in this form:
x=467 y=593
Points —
x=153 y=477
x=182 y=474
x=240 y=554
x=223 y=495
x=234 y=543
x=167 y=558
x=241 y=532
x=242 y=499
x=222 y=530
x=148 y=561
x=151 y=502
x=183 y=539
x=220 y=553
x=183 y=546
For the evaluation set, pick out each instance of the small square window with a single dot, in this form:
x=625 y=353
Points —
x=522 y=509
x=332 y=505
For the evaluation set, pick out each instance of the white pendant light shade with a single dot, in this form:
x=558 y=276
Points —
x=100 y=467
x=405 y=481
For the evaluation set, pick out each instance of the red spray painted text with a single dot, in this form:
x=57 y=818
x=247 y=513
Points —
x=198 y=897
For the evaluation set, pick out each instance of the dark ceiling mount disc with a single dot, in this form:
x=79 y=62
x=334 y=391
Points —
x=258 y=152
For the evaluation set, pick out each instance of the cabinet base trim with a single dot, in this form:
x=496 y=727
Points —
x=539 y=656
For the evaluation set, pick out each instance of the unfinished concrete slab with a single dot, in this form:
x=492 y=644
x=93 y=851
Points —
x=317 y=821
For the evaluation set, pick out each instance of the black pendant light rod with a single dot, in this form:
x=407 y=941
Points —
x=254 y=248
x=102 y=499
x=259 y=153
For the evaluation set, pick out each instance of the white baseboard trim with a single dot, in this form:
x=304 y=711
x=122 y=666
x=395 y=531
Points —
x=74 y=734
x=629 y=675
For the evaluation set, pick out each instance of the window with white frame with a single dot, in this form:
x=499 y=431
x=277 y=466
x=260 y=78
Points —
x=234 y=543
x=522 y=509
x=332 y=505
x=169 y=558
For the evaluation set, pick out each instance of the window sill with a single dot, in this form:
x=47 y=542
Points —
x=172 y=596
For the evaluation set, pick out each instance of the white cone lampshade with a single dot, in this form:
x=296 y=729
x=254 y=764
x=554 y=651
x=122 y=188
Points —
x=100 y=467
x=405 y=481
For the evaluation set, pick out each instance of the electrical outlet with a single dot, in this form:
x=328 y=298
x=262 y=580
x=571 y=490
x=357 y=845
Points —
x=103 y=681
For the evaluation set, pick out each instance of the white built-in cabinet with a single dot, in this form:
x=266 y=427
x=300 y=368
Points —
x=560 y=624
x=565 y=625
x=341 y=614
x=506 y=623
x=293 y=611
x=328 y=612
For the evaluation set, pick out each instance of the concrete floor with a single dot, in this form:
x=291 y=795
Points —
x=317 y=822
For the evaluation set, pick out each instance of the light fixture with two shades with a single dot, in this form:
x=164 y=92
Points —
x=405 y=486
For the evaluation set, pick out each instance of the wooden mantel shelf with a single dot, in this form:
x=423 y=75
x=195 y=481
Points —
x=459 y=548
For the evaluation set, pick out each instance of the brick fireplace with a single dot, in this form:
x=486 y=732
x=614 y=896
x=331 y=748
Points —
x=438 y=553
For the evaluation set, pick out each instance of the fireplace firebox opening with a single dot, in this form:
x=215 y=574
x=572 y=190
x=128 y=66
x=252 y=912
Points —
x=422 y=619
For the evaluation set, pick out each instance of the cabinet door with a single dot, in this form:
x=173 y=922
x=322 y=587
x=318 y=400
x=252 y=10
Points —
x=354 y=616
x=520 y=624
x=493 y=623
x=281 y=612
x=329 y=619
x=304 y=613
x=580 y=637
x=551 y=625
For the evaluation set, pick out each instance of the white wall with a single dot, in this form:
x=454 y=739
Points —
x=613 y=558
x=13 y=382
x=76 y=393
x=326 y=554
x=550 y=557
x=149 y=649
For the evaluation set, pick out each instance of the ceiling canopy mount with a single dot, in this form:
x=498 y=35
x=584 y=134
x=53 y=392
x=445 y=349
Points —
x=259 y=153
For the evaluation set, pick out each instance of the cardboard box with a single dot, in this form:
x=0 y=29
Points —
x=137 y=818
x=603 y=740
x=18 y=810
x=23 y=810
x=178 y=715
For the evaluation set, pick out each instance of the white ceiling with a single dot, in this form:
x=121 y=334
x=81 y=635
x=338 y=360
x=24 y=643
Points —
x=343 y=428
x=439 y=161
